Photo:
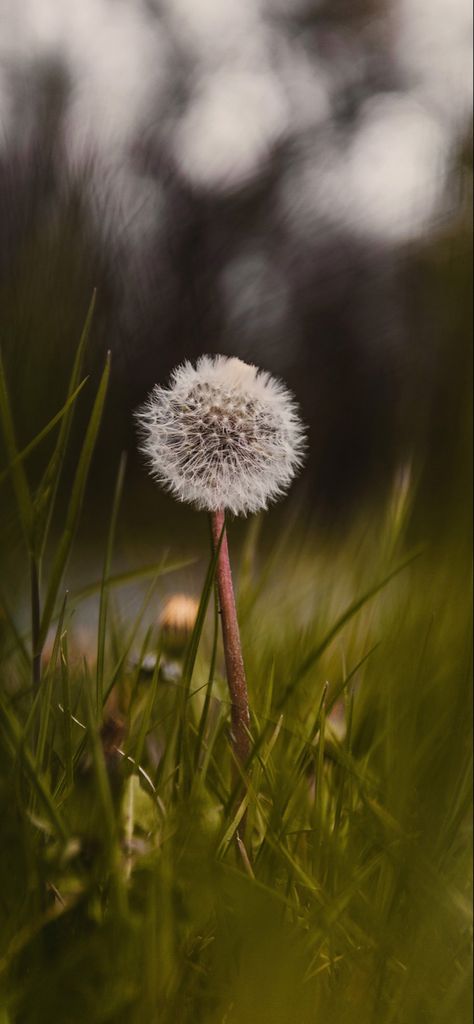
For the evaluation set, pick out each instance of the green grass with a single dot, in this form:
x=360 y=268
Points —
x=124 y=895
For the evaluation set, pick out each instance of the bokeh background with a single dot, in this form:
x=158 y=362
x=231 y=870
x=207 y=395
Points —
x=284 y=180
x=288 y=181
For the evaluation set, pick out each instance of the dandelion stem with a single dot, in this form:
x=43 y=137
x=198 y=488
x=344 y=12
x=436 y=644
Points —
x=236 y=680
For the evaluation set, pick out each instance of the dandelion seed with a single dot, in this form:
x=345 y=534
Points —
x=223 y=435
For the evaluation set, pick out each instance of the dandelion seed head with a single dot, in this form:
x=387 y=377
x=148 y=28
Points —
x=224 y=434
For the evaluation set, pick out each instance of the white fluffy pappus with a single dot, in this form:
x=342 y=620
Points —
x=223 y=435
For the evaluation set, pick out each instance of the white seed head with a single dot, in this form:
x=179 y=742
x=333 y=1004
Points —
x=222 y=435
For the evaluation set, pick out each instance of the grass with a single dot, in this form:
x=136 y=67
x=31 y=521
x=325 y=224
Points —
x=124 y=895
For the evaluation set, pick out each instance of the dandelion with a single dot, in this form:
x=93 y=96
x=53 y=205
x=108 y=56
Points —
x=223 y=435
x=176 y=622
x=226 y=437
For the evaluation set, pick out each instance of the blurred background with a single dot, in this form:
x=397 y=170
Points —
x=284 y=180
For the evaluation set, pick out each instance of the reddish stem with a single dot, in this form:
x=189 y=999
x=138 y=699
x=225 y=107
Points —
x=236 y=680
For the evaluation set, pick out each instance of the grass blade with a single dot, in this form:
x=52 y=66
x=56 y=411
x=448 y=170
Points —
x=25 y=452
x=195 y=638
x=18 y=645
x=103 y=606
x=45 y=693
x=105 y=798
x=313 y=656
x=16 y=468
x=75 y=504
x=191 y=653
x=47 y=490
x=131 y=637
x=122 y=579
x=146 y=718
x=210 y=681
x=14 y=736
x=66 y=692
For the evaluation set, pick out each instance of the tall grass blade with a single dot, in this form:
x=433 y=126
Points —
x=17 y=645
x=31 y=447
x=66 y=694
x=75 y=505
x=146 y=717
x=16 y=468
x=103 y=605
x=313 y=656
x=47 y=491
x=14 y=737
x=191 y=654
x=123 y=579
x=45 y=693
x=120 y=664
x=105 y=798
x=210 y=681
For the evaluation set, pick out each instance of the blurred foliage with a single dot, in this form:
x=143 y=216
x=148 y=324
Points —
x=373 y=337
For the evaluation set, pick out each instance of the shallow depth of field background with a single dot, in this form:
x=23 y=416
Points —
x=284 y=181
x=290 y=182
